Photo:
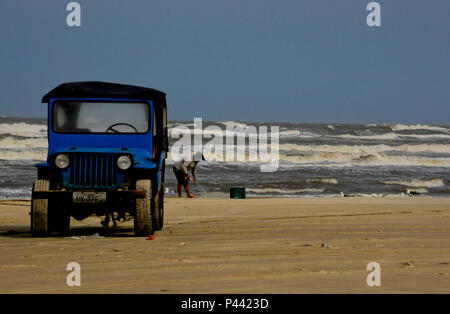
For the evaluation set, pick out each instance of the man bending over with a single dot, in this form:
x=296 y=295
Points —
x=181 y=170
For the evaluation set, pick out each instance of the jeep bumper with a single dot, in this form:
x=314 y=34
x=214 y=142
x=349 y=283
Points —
x=111 y=197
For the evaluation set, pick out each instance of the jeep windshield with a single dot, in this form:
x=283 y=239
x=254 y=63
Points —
x=100 y=117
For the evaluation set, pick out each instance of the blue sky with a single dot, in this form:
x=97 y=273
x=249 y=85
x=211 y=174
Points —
x=246 y=60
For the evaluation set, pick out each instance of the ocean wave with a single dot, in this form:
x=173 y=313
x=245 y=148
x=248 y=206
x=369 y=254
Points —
x=23 y=129
x=433 y=183
x=33 y=155
x=338 y=159
x=255 y=131
x=392 y=136
x=402 y=127
x=323 y=181
x=233 y=124
x=242 y=128
x=290 y=133
x=10 y=193
x=216 y=131
x=367 y=149
x=178 y=124
x=354 y=151
x=417 y=190
x=340 y=155
x=297 y=133
x=10 y=142
x=386 y=136
x=282 y=191
x=425 y=136
x=383 y=160
x=368 y=195
x=247 y=131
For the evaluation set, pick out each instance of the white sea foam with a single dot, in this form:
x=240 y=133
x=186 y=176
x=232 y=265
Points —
x=234 y=124
x=8 y=193
x=418 y=190
x=290 y=133
x=338 y=159
x=368 y=195
x=402 y=127
x=10 y=142
x=24 y=129
x=384 y=160
x=249 y=130
x=297 y=133
x=323 y=181
x=334 y=159
x=426 y=136
x=282 y=191
x=367 y=149
x=364 y=154
x=37 y=155
x=178 y=124
x=393 y=136
x=433 y=183
x=385 y=136
x=347 y=155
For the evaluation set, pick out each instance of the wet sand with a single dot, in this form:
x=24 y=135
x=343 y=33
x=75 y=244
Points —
x=262 y=245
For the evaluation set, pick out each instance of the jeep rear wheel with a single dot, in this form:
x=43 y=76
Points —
x=143 y=225
x=40 y=225
x=158 y=210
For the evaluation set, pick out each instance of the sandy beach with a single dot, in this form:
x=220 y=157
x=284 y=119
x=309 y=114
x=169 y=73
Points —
x=260 y=245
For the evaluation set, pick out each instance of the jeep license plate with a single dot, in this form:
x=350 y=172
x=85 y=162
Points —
x=89 y=197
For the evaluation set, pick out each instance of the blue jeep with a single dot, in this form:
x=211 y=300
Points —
x=107 y=145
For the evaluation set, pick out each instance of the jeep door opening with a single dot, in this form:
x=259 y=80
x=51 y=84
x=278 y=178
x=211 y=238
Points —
x=107 y=145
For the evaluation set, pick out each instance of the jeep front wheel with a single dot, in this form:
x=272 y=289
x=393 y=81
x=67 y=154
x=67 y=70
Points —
x=143 y=225
x=40 y=210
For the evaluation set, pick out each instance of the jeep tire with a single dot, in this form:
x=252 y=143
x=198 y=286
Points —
x=40 y=220
x=158 y=209
x=143 y=225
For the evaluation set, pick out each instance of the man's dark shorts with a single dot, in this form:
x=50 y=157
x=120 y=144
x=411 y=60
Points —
x=181 y=176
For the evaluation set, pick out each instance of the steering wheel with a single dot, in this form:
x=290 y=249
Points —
x=111 y=127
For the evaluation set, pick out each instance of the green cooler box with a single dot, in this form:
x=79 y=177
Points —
x=238 y=192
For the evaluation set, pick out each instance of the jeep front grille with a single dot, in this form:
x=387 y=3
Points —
x=94 y=170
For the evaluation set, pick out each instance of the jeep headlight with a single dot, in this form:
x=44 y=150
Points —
x=124 y=162
x=62 y=161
